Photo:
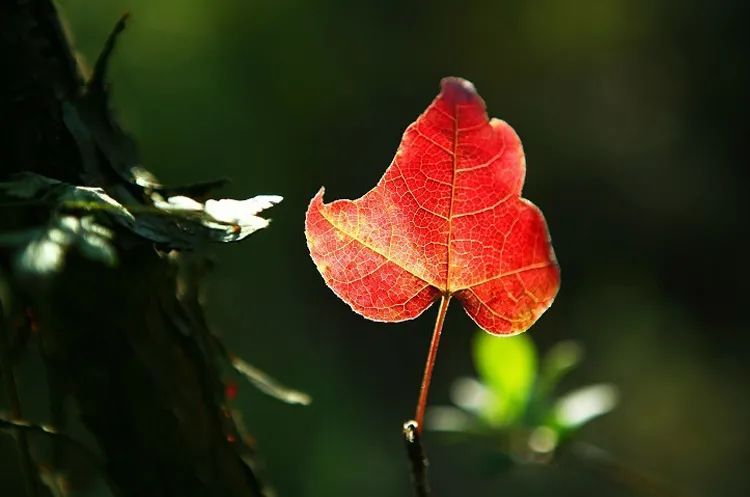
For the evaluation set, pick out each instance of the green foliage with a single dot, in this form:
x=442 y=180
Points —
x=514 y=400
x=508 y=368
x=84 y=220
x=41 y=250
x=559 y=360
x=46 y=248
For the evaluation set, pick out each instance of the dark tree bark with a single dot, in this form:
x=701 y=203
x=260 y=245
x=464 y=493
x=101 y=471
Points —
x=128 y=343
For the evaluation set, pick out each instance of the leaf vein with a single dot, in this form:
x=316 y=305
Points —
x=375 y=250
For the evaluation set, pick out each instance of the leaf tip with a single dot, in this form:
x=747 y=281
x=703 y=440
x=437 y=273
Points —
x=458 y=90
x=315 y=203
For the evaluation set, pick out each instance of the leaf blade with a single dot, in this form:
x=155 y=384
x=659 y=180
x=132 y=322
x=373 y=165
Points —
x=508 y=367
x=446 y=218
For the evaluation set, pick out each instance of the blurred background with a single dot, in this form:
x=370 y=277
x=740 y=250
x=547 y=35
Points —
x=630 y=112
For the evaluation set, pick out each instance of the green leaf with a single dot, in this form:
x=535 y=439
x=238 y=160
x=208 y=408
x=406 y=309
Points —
x=34 y=189
x=449 y=419
x=562 y=358
x=26 y=186
x=45 y=254
x=507 y=366
x=470 y=394
x=178 y=222
x=183 y=222
x=580 y=406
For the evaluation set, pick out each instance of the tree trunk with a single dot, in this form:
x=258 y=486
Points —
x=128 y=343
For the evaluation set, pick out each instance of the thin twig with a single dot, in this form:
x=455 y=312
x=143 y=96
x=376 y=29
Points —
x=268 y=385
x=261 y=380
x=417 y=459
x=48 y=431
x=11 y=387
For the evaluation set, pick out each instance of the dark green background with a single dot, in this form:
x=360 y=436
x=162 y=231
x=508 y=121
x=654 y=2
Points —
x=630 y=112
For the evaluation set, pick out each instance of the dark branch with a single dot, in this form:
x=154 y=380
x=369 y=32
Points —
x=417 y=459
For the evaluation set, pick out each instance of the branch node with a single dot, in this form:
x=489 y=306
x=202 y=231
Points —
x=417 y=459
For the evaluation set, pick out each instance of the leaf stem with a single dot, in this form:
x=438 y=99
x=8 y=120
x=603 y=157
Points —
x=27 y=464
x=430 y=364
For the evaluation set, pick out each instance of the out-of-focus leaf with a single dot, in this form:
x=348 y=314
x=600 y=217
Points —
x=25 y=186
x=562 y=358
x=470 y=395
x=448 y=419
x=56 y=482
x=36 y=189
x=580 y=406
x=46 y=253
x=507 y=365
x=268 y=385
x=543 y=440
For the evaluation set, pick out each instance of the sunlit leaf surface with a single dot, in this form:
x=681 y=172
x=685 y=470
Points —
x=447 y=218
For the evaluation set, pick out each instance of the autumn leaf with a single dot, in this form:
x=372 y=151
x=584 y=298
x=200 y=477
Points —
x=446 y=220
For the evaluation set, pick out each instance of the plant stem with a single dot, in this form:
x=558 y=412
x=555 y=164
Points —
x=417 y=459
x=11 y=387
x=430 y=364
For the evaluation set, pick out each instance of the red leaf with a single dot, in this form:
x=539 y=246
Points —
x=446 y=219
